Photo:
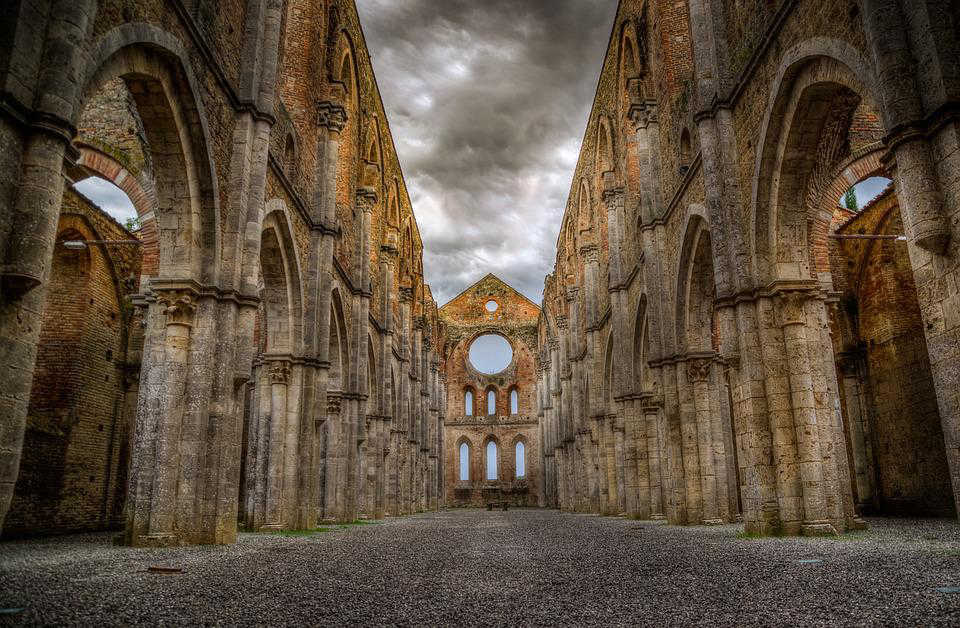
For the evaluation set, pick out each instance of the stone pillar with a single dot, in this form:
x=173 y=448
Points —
x=895 y=51
x=279 y=377
x=646 y=144
x=618 y=463
x=404 y=419
x=332 y=118
x=26 y=250
x=699 y=373
x=652 y=416
x=150 y=511
x=632 y=434
x=791 y=308
x=858 y=427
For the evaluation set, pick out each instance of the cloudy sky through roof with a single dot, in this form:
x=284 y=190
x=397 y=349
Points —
x=487 y=102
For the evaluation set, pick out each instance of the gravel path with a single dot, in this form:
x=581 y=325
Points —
x=478 y=567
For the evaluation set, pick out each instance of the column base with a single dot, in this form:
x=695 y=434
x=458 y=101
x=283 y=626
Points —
x=712 y=522
x=658 y=516
x=818 y=528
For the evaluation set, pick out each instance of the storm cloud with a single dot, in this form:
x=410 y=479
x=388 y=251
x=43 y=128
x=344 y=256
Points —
x=487 y=102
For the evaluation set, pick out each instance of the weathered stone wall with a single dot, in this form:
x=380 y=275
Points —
x=684 y=360
x=290 y=344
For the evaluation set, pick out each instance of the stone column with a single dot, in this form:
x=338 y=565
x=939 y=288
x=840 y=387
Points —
x=403 y=421
x=332 y=118
x=858 y=426
x=151 y=505
x=646 y=144
x=699 y=375
x=633 y=478
x=279 y=377
x=791 y=308
x=898 y=38
x=652 y=416
x=618 y=424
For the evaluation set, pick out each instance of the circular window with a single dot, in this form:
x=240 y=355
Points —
x=490 y=354
x=491 y=305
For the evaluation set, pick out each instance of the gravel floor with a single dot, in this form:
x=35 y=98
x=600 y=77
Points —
x=478 y=567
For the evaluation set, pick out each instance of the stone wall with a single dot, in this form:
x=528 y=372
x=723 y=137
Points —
x=685 y=358
x=290 y=344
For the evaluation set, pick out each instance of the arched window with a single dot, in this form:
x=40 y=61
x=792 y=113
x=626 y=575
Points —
x=468 y=403
x=514 y=402
x=491 y=402
x=464 y=462
x=491 y=460
x=521 y=455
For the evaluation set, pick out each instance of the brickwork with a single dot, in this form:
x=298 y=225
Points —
x=77 y=442
x=289 y=368
x=465 y=318
x=886 y=352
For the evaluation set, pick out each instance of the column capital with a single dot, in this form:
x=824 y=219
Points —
x=590 y=253
x=642 y=114
x=279 y=372
x=698 y=370
x=178 y=306
x=790 y=306
x=366 y=198
x=332 y=116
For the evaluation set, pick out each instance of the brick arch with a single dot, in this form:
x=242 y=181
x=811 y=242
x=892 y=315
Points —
x=640 y=350
x=350 y=155
x=100 y=164
x=608 y=372
x=863 y=164
x=630 y=62
x=338 y=353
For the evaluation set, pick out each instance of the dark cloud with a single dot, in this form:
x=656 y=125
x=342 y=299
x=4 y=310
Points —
x=487 y=102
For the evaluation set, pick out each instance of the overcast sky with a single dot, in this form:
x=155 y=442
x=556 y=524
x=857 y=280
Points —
x=488 y=101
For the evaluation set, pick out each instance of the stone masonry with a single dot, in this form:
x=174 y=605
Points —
x=719 y=339
x=707 y=352
x=270 y=348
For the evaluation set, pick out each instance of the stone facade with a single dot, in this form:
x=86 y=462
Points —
x=490 y=306
x=284 y=361
x=690 y=333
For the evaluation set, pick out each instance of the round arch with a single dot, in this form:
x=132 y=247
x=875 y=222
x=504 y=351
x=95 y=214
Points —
x=157 y=73
x=282 y=289
x=93 y=162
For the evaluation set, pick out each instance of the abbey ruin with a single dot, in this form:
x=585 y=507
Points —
x=721 y=340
